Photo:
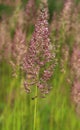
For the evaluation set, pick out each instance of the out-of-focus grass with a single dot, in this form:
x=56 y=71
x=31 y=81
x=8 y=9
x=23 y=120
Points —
x=55 y=112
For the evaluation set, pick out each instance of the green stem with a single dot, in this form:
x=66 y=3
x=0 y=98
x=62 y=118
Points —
x=35 y=110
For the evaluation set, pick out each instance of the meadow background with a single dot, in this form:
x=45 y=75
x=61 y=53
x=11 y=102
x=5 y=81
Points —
x=56 y=111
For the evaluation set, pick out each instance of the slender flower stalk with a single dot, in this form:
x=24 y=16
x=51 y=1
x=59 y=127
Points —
x=38 y=62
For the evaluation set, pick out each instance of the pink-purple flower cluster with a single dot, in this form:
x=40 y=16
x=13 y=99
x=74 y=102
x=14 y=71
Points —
x=38 y=62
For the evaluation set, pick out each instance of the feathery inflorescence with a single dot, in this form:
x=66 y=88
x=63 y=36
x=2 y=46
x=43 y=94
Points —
x=63 y=21
x=30 y=12
x=38 y=62
x=5 y=41
x=75 y=65
x=66 y=13
x=66 y=30
x=18 y=49
x=60 y=28
x=75 y=60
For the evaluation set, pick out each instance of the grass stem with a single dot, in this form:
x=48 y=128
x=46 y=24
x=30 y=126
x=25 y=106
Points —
x=35 y=110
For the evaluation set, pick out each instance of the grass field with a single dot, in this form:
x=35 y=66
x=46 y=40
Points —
x=57 y=111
